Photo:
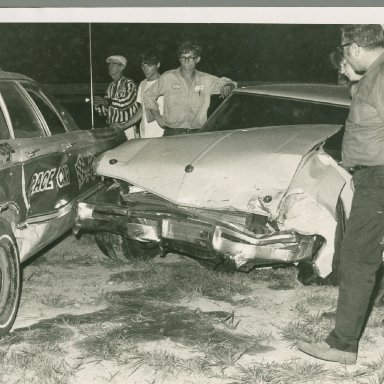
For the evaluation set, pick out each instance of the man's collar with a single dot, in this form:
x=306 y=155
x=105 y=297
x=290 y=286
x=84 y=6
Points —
x=118 y=80
x=376 y=62
x=195 y=71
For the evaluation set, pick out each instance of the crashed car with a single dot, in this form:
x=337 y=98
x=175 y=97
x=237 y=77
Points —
x=46 y=166
x=260 y=185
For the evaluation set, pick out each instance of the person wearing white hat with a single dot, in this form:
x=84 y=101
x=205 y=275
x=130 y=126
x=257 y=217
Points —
x=119 y=103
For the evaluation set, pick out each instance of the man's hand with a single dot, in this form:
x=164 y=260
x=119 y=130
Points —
x=226 y=90
x=119 y=125
x=157 y=117
x=98 y=100
x=160 y=121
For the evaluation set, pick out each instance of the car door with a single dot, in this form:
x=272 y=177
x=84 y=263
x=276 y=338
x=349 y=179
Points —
x=81 y=145
x=40 y=155
x=54 y=159
x=74 y=176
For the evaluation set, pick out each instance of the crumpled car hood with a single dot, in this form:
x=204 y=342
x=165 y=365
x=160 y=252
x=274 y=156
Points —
x=216 y=170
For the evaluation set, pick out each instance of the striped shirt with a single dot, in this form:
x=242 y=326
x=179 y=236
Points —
x=123 y=105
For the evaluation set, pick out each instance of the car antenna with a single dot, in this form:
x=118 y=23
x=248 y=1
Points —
x=90 y=71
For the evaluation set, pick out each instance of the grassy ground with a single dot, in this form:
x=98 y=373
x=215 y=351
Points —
x=86 y=319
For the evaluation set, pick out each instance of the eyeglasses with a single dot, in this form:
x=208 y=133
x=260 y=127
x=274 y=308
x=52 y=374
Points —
x=345 y=45
x=189 y=58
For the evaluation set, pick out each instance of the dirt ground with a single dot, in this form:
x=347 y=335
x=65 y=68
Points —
x=96 y=323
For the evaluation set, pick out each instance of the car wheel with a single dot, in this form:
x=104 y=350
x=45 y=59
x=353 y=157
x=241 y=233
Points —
x=307 y=274
x=120 y=248
x=10 y=279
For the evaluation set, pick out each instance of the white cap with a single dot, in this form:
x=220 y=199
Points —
x=117 y=59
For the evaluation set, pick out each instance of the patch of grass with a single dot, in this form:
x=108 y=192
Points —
x=42 y=364
x=262 y=337
x=377 y=379
x=48 y=334
x=376 y=319
x=349 y=375
x=173 y=281
x=222 y=354
x=277 y=278
x=277 y=373
x=375 y=365
x=112 y=347
x=166 y=365
x=303 y=330
x=321 y=298
x=225 y=354
x=308 y=325
x=56 y=300
x=160 y=361
x=304 y=313
x=369 y=336
x=99 y=329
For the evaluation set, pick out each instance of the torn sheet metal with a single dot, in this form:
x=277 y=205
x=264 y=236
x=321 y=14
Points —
x=310 y=204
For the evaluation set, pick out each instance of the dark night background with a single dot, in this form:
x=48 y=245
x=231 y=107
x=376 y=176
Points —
x=58 y=53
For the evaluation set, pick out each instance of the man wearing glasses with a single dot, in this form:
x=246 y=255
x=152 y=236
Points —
x=187 y=93
x=363 y=153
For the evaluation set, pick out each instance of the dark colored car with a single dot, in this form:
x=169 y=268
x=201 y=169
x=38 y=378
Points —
x=259 y=185
x=45 y=166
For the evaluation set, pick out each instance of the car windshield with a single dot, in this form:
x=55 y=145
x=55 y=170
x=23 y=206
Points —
x=244 y=110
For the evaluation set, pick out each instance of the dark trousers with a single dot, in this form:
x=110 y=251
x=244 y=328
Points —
x=178 y=131
x=360 y=258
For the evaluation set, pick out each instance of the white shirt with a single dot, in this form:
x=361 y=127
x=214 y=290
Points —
x=151 y=129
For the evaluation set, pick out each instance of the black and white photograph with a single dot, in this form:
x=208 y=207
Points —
x=191 y=195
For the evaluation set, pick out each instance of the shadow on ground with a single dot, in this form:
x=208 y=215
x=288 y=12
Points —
x=132 y=316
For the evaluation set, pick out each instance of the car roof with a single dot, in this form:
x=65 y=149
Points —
x=322 y=93
x=13 y=76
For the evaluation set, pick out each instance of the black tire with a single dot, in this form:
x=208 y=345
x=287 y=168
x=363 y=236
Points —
x=10 y=279
x=307 y=275
x=120 y=248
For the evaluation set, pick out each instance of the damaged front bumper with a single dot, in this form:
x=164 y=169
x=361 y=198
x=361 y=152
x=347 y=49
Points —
x=197 y=237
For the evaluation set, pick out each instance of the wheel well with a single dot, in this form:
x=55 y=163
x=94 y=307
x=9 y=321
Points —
x=9 y=215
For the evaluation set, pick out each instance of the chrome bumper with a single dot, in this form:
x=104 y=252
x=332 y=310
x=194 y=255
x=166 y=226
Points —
x=192 y=236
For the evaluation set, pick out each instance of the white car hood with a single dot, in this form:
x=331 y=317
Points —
x=217 y=170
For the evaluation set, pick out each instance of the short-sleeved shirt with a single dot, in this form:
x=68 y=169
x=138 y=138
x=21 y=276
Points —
x=184 y=106
x=122 y=95
x=149 y=128
x=363 y=141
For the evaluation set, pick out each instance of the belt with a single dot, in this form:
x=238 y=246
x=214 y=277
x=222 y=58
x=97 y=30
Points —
x=184 y=130
x=357 y=168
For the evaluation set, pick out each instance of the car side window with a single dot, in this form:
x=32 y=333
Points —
x=246 y=111
x=25 y=122
x=53 y=121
